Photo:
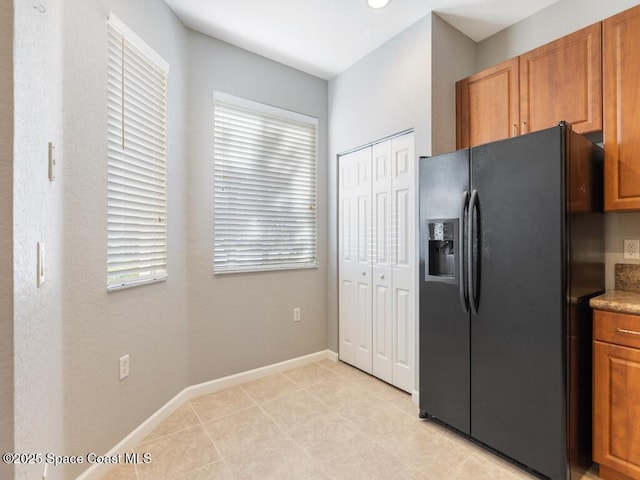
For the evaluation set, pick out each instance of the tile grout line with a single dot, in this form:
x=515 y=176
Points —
x=338 y=375
x=201 y=423
x=206 y=431
x=135 y=470
x=335 y=375
x=286 y=434
x=284 y=431
x=221 y=457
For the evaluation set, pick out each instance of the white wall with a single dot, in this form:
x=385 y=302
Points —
x=553 y=22
x=6 y=234
x=243 y=321
x=38 y=217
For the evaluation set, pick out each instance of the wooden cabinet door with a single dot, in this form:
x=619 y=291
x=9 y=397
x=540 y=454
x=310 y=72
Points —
x=487 y=105
x=616 y=410
x=621 y=39
x=562 y=81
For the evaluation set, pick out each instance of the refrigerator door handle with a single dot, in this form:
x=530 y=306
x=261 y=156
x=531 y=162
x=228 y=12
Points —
x=471 y=261
x=464 y=298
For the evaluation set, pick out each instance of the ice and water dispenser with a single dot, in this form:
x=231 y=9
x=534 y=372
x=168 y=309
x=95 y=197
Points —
x=442 y=250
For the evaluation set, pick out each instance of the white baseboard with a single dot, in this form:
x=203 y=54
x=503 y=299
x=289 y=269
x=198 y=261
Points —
x=134 y=438
x=415 y=397
x=333 y=356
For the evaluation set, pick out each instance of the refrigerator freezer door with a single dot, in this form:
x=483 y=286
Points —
x=517 y=335
x=444 y=323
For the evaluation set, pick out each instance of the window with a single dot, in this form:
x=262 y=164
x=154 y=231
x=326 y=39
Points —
x=265 y=187
x=137 y=148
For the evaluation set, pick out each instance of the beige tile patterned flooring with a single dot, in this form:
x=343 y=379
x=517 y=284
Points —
x=325 y=420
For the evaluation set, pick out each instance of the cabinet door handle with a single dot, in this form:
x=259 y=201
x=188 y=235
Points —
x=630 y=332
x=524 y=127
x=381 y=277
x=363 y=273
x=515 y=129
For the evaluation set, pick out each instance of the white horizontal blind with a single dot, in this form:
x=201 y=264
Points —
x=137 y=139
x=265 y=187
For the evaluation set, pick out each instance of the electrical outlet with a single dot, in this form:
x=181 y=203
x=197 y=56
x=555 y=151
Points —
x=631 y=250
x=296 y=314
x=124 y=367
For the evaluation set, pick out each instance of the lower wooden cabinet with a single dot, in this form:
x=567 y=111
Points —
x=616 y=397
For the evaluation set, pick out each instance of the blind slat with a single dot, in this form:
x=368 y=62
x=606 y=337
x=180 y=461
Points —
x=136 y=131
x=265 y=189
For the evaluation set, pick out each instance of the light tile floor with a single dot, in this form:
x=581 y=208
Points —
x=322 y=421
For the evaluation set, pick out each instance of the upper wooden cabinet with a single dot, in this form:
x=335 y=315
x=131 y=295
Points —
x=621 y=39
x=557 y=81
x=487 y=105
x=562 y=81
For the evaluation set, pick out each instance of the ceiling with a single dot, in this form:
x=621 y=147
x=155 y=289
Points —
x=325 y=37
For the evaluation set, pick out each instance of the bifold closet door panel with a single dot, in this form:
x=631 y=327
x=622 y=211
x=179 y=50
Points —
x=403 y=256
x=355 y=272
x=382 y=261
x=377 y=237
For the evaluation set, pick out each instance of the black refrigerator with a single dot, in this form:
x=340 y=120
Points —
x=511 y=250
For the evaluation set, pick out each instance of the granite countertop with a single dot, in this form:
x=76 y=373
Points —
x=619 y=301
x=626 y=296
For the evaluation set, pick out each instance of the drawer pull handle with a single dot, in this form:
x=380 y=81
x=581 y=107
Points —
x=631 y=332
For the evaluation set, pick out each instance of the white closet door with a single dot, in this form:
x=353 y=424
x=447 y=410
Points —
x=382 y=263
x=377 y=260
x=403 y=200
x=354 y=252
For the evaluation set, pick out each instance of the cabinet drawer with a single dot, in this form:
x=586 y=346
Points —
x=618 y=328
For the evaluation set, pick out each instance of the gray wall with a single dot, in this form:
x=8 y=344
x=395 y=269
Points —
x=6 y=234
x=553 y=22
x=453 y=58
x=70 y=333
x=406 y=83
x=149 y=322
x=243 y=321
x=194 y=327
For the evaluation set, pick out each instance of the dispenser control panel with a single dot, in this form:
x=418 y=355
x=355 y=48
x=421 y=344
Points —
x=442 y=250
x=441 y=231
